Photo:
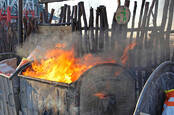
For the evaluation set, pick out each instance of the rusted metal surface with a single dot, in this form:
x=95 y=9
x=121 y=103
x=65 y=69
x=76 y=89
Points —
x=9 y=89
x=48 y=97
x=9 y=100
x=40 y=98
x=115 y=83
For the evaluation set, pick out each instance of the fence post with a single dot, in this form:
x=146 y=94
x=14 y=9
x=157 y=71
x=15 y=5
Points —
x=91 y=35
x=20 y=36
x=163 y=24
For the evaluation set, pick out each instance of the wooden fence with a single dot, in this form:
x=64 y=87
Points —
x=8 y=37
x=153 y=43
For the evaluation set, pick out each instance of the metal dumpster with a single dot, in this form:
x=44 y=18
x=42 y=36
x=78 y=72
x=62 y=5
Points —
x=9 y=90
x=105 y=89
x=152 y=97
x=9 y=101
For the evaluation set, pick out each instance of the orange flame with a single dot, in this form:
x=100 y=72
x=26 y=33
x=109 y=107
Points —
x=117 y=73
x=124 y=57
x=61 y=65
x=100 y=95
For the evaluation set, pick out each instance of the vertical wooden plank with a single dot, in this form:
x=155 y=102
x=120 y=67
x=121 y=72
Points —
x=141 y=39
x=133 y=20
x=20 y=25
x=140 y=17
x=127 y=3
x=72 y=14
x=101 y=35
x=155 y=39
x=74 y=19
x=75 y=12
x=61 y=14
x=51 y=16
x=131 y=54
x=97 y=28
x=138 y=32
x=169 y=27
x=113 y=31
x=80 y=48
x=147 y=45
x=163 y=24
x=91 y=32
x=68 y=14
x=86 y=37
x=25 y=27
x=155 y=14
x=46 y=12
x=65 y=13
x=106 y=26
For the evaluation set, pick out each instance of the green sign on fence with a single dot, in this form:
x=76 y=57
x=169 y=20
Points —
x=122 y=15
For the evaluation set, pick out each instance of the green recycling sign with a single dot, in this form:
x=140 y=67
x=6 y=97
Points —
x=122 y=15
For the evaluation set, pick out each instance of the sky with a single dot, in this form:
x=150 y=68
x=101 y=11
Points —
x=111 y=7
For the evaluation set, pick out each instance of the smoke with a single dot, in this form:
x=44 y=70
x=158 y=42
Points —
x=145 y=53
x=38 y=44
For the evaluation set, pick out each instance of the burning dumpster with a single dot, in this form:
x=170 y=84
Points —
x=105 y=89
x=61 y=83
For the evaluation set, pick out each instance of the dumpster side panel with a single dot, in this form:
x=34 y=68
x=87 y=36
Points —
x=39 y=98
x=7 y=102
x=3 y=99
x=107 y=89
x=11 y=98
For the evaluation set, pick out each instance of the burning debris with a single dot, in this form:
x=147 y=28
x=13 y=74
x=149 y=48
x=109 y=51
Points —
x=124 y=57
x=62 y=66
x=100 y=95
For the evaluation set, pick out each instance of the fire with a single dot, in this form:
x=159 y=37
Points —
x=124 y=57
x=100 y=95
x=117 y=73
x=61 y=65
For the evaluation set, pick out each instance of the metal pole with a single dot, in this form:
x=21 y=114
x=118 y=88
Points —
x=20 y=36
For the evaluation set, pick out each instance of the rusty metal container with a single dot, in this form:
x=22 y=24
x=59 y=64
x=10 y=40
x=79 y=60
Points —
x=114 y=82
x=9 y=101
x=152 y=96
x=9 y=89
